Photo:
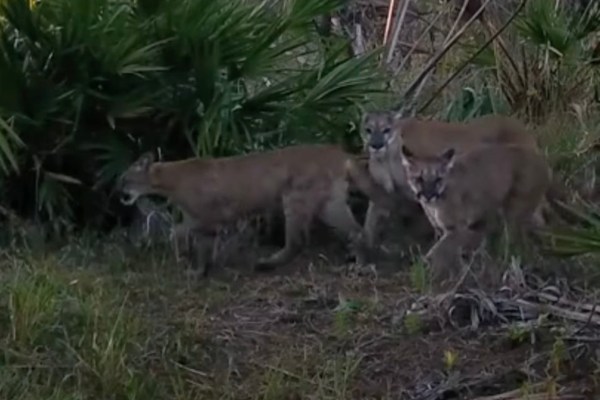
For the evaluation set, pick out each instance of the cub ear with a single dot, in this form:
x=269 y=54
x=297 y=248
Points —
x=364 y=120
x=407 y=157
x=448 y=157
x=395 y=133
x=406 y=153
x=145 y=160
x=364 y=117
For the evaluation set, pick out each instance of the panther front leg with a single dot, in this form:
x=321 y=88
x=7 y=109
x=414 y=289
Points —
x=372 y=226
x=445 y=256
x=299 y=210
x=194 y=248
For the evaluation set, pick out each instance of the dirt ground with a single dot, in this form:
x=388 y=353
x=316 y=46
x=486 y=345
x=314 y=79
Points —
x=322 y=328
x=314 y=331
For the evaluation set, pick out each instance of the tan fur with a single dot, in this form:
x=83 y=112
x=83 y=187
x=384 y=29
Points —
x=307 y=180
x=465 y=193
x=425 y=138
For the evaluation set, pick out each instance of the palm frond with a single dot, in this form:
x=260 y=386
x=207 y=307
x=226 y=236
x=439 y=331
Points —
x=91 y=83
x=581 y=238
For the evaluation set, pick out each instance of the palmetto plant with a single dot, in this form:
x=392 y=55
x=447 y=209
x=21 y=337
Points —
x=87 y=85
x=547 y=60
x=582 y=237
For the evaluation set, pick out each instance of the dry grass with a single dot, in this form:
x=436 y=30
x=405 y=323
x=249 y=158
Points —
x=118 y=323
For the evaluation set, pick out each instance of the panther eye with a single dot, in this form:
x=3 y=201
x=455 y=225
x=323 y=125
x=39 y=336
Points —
x=438 y=181
x=368 y=131
x=386 y=131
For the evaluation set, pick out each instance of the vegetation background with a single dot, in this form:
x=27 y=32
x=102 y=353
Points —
x=87 y=86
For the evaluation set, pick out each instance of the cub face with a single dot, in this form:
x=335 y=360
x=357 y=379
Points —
x=135 y=181
x=377 y=131
x=427 y=177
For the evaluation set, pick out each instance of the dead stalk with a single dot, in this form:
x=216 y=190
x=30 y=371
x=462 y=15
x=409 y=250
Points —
x=388 y=21
x=467 y=61
x=457 y=19
x=417 y=42
x=397 y=28
x=419 y=81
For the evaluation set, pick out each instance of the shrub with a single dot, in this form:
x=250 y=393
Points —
x=87 y=86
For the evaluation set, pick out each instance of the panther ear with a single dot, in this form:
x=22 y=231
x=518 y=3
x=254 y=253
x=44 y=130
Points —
x=406 y=153
x=395 y=134
x=448 y=157
x=364 y=119
x=407 y=156
x=145 y=160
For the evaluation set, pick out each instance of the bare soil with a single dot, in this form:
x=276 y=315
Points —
x=311 y=330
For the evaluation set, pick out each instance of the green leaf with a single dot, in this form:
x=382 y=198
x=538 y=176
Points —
x=581 y=238
x=8 y=135
x=88 y=84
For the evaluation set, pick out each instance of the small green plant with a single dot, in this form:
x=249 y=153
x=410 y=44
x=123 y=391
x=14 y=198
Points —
x=518 y=334
x=419 y=276
x=472 y=103
x=558 y=355
x=525 y=389
x=413 y=324
x=274 y=385
x=345 y=314
x=337 y=376
x=450 y=359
